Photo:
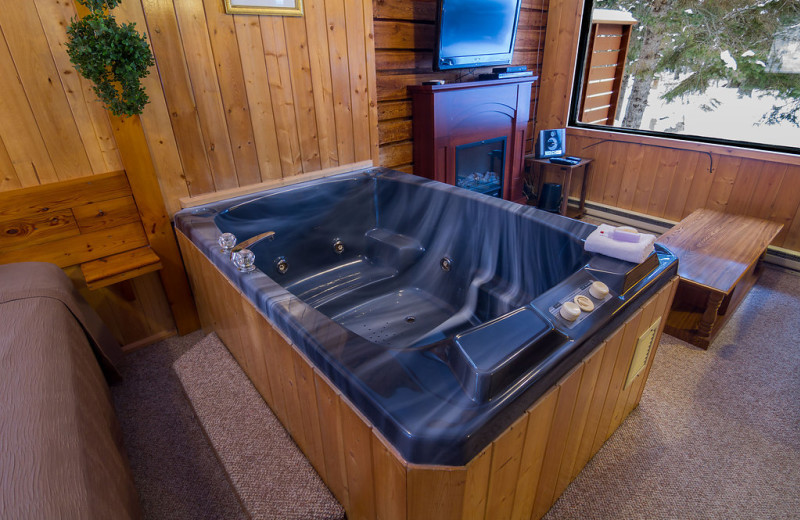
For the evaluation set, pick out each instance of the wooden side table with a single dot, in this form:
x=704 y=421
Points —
x=536 y=170
x=718 y=262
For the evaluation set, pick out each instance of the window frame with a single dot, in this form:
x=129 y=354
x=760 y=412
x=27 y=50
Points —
x=577 y=86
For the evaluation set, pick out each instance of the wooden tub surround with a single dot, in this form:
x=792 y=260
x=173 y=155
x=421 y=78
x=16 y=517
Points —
x=518 y=475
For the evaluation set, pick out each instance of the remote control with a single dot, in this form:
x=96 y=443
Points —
x=573 y=158
x=562 y=160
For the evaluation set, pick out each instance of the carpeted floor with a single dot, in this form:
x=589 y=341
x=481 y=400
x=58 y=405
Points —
x=174 y=468
x=717 y=433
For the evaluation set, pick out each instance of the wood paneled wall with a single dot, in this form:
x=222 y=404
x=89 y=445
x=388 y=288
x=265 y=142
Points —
x=663 y=177
x=51 y=126
x=237 y=100
x=651 y=176
x=405 y=33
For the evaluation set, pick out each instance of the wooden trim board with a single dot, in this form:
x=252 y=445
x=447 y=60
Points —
x=141 y=172
x=122 y=266
x=208 y=198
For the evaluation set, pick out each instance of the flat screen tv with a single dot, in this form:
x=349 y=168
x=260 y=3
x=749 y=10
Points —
x=475 y=33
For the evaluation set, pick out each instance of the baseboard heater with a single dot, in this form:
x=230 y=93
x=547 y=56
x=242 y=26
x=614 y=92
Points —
x=779 y=256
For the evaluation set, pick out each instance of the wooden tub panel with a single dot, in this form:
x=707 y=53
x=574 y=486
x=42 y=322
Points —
x=557 y=441
x=591 y=369
x=333 y=444
x=507 y=452
x=540 y=420
x=663 y=310
x=389 y=471
x=477 y=485
x=307 y=393
x=519 y=475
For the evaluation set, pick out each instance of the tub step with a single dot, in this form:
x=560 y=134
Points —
x=270 y=474
x=386 y=247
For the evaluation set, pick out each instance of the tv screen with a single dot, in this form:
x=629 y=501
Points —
x=475 y=33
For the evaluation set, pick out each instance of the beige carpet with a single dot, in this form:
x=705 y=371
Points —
x=716 y=436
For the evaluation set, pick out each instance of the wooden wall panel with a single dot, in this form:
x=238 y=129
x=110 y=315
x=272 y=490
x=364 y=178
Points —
x=254 y=98
x=19 y=132
x=669 y=180
x=405 y=34
x=194 y=36
x=33 y=61
x=235 y=100
x=90 y=116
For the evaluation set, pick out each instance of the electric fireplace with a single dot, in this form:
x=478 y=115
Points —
x=472 y=134
x=480 y=166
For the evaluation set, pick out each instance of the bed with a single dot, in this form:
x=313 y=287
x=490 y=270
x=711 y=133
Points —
x=61 y=452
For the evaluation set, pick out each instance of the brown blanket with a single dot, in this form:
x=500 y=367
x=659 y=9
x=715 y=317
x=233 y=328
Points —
x=61 y=452
x=42 y=280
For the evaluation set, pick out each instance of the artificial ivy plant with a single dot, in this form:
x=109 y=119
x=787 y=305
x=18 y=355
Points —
x=115 y=57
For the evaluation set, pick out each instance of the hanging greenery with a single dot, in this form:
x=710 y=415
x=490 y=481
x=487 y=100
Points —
x=115 y=57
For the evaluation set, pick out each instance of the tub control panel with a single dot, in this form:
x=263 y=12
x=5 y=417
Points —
x=579 y=304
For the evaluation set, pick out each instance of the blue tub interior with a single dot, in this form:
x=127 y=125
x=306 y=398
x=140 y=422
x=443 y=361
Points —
x=437 y=314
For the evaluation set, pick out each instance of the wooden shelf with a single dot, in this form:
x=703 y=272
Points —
x=122 y=266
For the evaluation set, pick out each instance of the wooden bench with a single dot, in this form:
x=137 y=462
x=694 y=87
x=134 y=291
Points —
x=719 y=258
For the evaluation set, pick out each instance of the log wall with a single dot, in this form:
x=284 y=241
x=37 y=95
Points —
x=519 y=475
x=405 y=34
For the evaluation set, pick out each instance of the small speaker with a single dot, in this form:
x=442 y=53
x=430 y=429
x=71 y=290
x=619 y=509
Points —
x=550 y=199
x=550 y=143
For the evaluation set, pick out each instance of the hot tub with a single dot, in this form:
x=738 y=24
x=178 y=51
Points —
x=434 y=310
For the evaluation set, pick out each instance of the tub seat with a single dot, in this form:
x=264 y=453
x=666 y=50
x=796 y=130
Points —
x=271 y=476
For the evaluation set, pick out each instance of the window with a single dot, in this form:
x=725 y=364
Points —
x=708 y=70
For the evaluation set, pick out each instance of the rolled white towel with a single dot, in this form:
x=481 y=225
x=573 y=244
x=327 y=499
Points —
x=622 y=243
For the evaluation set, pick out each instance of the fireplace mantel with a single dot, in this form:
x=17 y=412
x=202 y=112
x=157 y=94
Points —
x=452 y=115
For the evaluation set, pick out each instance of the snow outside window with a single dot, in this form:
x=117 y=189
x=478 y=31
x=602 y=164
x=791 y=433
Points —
x=717 y=69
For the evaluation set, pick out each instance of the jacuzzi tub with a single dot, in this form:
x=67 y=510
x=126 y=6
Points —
x=433 y=309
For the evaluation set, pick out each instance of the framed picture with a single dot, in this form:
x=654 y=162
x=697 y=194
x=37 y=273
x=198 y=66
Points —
x=265 y=7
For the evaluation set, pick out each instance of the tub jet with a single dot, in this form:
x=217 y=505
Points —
x=281 y=265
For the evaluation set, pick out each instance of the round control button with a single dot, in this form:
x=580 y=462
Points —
x=570 y=311
x=598 y=290
x=586 y=304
